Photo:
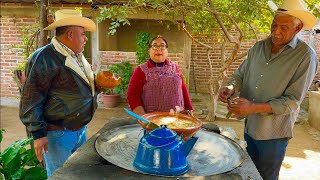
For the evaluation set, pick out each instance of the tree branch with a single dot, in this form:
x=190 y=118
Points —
x=194 y=39
x=210 y=64
x=241 y=56
x=217 y=16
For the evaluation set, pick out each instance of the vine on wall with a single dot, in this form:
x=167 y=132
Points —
x=143 y=40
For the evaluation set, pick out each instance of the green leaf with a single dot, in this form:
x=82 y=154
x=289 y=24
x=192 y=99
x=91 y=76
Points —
x=35 y=173
x=11 y=152
x=16 y=162
x=13 y=166
x=18 y=174
x=124 y=70
x=29 y=158
x=1 y=132
x=2 y=176
x=228 y=115
x=142 y=51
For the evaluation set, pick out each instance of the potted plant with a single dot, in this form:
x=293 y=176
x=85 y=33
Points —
x=123 y=70
x=110 y=100
x=116 y=81
x=106 y=82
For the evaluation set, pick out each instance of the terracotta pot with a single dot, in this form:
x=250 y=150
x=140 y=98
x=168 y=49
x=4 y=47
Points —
x=185 y=132
x=110 y=100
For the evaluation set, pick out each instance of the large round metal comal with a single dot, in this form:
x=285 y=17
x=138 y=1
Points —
x=212 y=154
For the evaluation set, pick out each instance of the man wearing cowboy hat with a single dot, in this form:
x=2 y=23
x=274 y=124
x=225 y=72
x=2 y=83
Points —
x=271 y=84
x=58 y=98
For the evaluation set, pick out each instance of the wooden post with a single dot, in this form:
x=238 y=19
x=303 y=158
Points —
x=187 y=59
x=43 y=4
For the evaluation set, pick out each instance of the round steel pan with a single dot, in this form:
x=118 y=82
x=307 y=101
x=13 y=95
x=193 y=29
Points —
x=212 y=154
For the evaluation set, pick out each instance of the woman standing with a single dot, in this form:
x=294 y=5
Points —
x=157 y=85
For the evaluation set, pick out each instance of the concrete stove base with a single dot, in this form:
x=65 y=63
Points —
x=86 y=163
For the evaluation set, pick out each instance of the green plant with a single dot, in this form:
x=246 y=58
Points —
x=143 y=40
x=29 y=44
x=17 y=162
x=108 y=91
x=21 y=66
x=118 y=15
x=124 y=70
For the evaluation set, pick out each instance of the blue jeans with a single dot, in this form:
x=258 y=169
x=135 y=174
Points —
x=267 y=155
x=62 y=143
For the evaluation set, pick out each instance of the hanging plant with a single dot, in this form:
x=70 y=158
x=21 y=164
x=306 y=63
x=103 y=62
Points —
x=143 y=40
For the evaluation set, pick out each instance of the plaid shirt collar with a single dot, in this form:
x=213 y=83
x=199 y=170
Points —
x=77 y=57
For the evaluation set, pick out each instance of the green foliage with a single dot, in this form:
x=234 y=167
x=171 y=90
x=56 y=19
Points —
x=314 y=6
x=253 y=16
x=143 y=40
x=108 y=91
x=21 y=66
x=117 y=14
x=228 y=115
x=124 y=70
x=29 y=44
x=78 y=9
x=17 y=162
x=194 y=12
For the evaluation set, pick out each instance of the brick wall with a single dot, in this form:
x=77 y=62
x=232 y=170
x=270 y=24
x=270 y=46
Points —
x=200 y=69
x=111 y=57
x=9 y=55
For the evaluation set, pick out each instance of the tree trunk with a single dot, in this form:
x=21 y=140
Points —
x=43 y=4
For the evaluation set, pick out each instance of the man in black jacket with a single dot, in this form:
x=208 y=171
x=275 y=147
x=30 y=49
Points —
x=59 y=98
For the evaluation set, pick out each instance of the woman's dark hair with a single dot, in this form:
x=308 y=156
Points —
x=157 y=37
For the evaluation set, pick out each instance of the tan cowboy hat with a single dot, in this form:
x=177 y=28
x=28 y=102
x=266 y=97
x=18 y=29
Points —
x=296 y=8
x=71 y=17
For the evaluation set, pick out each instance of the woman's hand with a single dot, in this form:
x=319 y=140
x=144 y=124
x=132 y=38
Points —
x=139 y=110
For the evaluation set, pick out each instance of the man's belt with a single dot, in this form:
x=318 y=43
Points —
x=52 y=127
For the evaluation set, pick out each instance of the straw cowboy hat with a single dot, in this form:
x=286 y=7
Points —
x=70 y=17
x=296 y=8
